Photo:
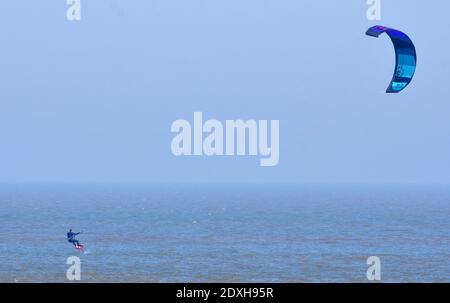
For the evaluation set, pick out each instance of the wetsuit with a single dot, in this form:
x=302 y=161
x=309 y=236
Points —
x=71 y=238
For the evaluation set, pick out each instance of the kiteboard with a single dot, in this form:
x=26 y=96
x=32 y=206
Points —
x=79 y=247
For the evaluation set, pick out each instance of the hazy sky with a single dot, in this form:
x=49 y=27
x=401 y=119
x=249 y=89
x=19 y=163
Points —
x=93 y=101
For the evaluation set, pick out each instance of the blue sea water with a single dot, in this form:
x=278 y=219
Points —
x=204 y=233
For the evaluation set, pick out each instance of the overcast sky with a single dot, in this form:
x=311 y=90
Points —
x=93 y=101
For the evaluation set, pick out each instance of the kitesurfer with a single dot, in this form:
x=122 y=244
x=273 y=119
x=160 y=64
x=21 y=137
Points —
x=71 y=238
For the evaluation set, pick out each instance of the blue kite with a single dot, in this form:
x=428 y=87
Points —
x=406 y=59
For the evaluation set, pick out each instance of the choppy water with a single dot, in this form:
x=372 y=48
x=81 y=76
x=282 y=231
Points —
x=225 y=234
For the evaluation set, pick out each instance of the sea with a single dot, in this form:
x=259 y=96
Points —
x=225 y=233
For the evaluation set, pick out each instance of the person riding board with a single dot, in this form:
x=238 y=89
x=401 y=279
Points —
x=71 y=238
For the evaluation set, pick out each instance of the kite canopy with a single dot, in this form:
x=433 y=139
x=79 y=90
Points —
x=406 y=58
